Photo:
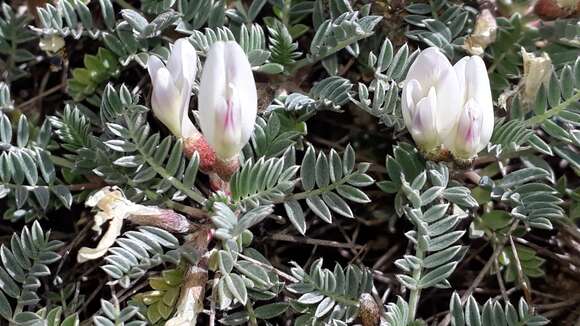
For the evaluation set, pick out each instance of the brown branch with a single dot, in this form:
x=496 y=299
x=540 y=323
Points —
x=39 y=96
x=316 y=242
x=521 y=278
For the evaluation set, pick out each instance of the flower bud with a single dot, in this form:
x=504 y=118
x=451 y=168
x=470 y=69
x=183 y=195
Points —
x=475 y=124
x=484 y=33
x=172 y=87
x=430 y=103
x=537 y=70
x=227 y=99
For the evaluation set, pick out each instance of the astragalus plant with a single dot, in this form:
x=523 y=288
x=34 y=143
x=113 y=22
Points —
x=289 y=162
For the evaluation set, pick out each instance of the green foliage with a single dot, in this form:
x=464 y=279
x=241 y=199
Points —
x=27 y=168
x=328 y=94
x=23 y=264
x=291 y=13
x=492 y=313
x=73 y=129
x=144 y=29
x=138 y=251
x=265 y=181
x=73 y=17
x=229 y=226
x=389 y=71
x=505 y=53
x=563 y=37
x=509 y=135
x=328 y=296
x=127 y=47
x=335 y=34
x=13 y=34
x=151 y=162
x=531 y=264
x=245 y=275
x=197 y=13
x=156 y=6
x=161 y=301
x=242 y=14
x=283 y=50
x=274 y=136
x=327 y=180
x=557 y=112
x=98 y=69
x=46 y=317
x=397 y=314
x=6 y=102
x=441 y=23
x=114 y=315
x=532 y=201
x=313 y=55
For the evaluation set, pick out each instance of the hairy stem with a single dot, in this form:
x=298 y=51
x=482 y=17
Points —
x=540 y=118
x=416 y=292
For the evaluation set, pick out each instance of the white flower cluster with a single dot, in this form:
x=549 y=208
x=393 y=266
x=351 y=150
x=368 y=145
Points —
x=448 y=107
x=227 y=95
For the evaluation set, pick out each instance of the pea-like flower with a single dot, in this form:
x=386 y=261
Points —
x=227 y=99
x=448 y=108
x=430 y=99
x=172 y=85
x=475 y=123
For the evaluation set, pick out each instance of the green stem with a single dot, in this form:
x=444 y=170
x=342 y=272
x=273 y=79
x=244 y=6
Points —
x=316 y=192
x=253 y=321
x=540 y=118
x=17 y=310
x=416 y=292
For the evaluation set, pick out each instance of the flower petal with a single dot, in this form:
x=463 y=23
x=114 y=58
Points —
x=153 y=65
x=239 y=73
x=477 y=87
x=412 y=93
x=428 y=68
x=182 y=63
x=227 y=99
x=167 y=101
x=212 y=90
x=448 y=102
x=424 y=125
x=466 y=144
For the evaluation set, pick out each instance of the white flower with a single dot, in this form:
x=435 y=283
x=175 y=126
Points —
x=475 y=124
x=172 y=87
x=227 y=99
x=448 y=106
x=430 y=100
